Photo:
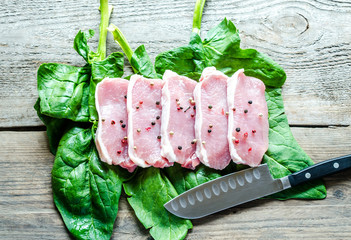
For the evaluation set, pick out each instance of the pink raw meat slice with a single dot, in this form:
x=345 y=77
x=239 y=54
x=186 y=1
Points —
x=112 y=127
x=211 y=123
x=178 y=119
x=248 y=119
x=144 y=121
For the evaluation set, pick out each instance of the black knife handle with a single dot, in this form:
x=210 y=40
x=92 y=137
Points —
x=320 y=170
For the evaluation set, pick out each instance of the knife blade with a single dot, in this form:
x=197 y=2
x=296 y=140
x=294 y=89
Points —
x=244 y=186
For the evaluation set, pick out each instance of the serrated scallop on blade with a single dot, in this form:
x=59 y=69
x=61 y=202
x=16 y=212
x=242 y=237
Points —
x=225 y=192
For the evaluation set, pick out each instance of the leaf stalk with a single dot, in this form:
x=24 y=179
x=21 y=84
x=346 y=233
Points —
x=106 y=11
x=199 y=7
x=121 y=41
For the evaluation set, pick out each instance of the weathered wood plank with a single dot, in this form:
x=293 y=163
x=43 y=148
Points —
x=27 y=210
x=308 y=38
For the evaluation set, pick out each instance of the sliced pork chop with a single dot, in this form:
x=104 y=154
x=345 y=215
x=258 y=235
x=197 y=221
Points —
x=111 y=133
x=248 y=119
x=178 y=119
x=211 y=123
x=144 y=121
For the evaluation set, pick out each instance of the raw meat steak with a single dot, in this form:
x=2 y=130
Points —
x=144 y=121
x=178 y=119
x=248 y=119
x=112 y=127
x=211 y=123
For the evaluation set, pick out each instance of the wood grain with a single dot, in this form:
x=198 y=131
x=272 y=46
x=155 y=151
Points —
x=27 y=210
x=309 y=38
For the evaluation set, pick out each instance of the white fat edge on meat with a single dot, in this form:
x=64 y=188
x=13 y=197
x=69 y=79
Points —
x=103 y=153
x=166 y=146
x=231 y=88
x=206 y=72
x=131 y=151
x=201 y=152
x=200 y=149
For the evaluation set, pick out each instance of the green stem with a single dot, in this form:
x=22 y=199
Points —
x=121 y=41
x=105 y=10
x=199 y=7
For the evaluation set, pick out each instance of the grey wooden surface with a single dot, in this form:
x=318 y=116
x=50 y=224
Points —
x=311 y=39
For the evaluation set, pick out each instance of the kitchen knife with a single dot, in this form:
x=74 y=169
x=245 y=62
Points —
x=244 y=186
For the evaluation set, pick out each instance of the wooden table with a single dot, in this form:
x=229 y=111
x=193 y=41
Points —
x=311 y=39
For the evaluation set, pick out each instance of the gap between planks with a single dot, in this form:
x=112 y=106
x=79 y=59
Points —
x=27 y=209
x=306 y=37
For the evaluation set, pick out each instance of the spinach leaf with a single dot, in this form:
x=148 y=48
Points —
x=63 y=91
x=221 y=49
x=284 y=156
x=250 y=59
x=111 y=67
x=86 y=191
x=67 y=91
x=139 y=59
x=55 y=127
x=80 y=44
x=148 y=191
x=142 y=64
x=186 y=60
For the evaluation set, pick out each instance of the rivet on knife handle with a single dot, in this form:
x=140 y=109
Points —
x=320 y=170
x=244 y=186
